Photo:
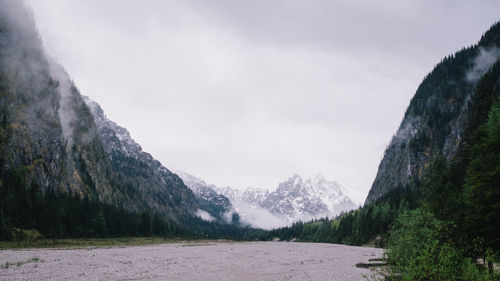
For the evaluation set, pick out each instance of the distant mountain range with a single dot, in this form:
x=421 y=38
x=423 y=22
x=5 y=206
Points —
x=294 y=199
x=297 y=198
x=55 y=140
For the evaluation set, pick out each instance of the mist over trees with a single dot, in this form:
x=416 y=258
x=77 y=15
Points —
x=436 y=205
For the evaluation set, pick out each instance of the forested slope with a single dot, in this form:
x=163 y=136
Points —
x=435 y=202
x=57 y=175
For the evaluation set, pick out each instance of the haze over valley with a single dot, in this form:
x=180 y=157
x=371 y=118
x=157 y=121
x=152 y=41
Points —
x=237 y=140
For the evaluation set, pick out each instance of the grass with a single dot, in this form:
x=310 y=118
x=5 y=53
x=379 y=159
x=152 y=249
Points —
x=73 y=243
x=19 y=263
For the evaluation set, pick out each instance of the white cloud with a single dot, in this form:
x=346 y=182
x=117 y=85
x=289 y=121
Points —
x=482 y=63
x=258 y=217
x=204 y=215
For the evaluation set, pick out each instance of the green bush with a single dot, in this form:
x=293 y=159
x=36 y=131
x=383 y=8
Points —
x=416 y=253
x=412 y=232
x=442 y=262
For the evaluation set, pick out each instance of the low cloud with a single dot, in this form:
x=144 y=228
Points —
x=486 y=58
x=65 y=112
x=258 y=217
x=204 y=215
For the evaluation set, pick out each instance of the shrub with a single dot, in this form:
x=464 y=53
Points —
x=416 y=253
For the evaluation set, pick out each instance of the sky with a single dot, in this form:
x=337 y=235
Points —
x=248 y=93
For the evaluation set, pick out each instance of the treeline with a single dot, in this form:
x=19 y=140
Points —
x=366 y=224
x=24 y=206
x=464 y=193
x=65 y=215
x=198 y=228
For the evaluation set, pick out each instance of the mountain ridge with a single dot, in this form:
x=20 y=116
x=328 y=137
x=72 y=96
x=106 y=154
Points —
x=140 y=175
x=50 y=141
x=293 y=200
x=436 y=118
x=217 y=205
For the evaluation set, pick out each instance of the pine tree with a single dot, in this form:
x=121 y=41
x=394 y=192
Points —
x=482 y=182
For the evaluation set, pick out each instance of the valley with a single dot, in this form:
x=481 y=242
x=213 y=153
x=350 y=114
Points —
x=68 y=174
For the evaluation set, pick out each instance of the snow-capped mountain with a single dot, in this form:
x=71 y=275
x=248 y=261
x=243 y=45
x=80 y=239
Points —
x=217 y=205
x=299 y=199
x=247 y=204
x=294 y=199
x=331 y=193
x=254 y=195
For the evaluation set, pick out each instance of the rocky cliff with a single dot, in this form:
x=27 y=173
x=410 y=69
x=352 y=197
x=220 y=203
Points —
x=49 y=137
x=305 y=199
x=45 y=123
x=137 y=174
x=437 y=117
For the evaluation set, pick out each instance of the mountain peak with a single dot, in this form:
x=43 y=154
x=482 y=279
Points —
x=296 y=176
x=294 y=199
x=319 y=180
x=293 y=181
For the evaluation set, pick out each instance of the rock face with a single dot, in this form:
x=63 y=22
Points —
x=137 y=174
x=294 y=199
x=48 y=132
x=45 y=123
x=114 y=137
x=299 y=199
x=254 y=195
x=437 y=117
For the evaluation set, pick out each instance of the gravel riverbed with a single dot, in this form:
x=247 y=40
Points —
x=191 y=261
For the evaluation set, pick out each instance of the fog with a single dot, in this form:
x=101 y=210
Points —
x=482 y=63
x=258 y=217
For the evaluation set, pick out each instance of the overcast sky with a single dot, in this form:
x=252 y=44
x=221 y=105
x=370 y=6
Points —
x=247 y=93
